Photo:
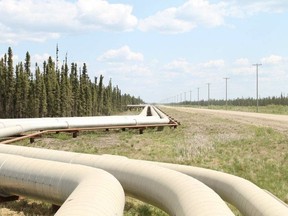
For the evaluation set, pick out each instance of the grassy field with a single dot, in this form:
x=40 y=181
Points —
x=259 y=154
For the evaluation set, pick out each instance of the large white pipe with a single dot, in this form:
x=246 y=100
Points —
x=243 y=194
x=4 y=123
x=81 y=190
x=160 y=113
x=21 y=126
x=175 y=193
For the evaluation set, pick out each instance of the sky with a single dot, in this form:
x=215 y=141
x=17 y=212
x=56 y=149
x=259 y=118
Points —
x=159 y=50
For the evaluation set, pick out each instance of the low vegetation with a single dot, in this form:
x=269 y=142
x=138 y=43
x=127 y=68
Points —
x=259 y=154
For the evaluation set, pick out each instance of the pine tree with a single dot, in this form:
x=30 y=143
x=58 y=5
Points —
x=10 y=84
x=66 y=92
x=52 y=89
x=100 y=96
x=37 y=89
x=75 y=89
x=85 y=93
x=2 y=88
x=29 y=91
x=94 y=96
x=18 y=103
x=55 y=92
x=42 y=95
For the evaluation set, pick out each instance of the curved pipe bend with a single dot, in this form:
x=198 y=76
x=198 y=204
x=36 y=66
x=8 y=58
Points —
x=84 y=190
x=175 y=193
x=248 y=198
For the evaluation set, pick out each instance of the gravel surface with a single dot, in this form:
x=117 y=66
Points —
x=279 y=122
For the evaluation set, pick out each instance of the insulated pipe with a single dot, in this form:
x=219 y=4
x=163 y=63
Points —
x=42 y=124
x=243 y=194
x=13 y=122
x=9 y=131
x=21 y=128
x=84 y=190
x=175 y=193
x=144 y=111
x=153 y=111
x=160 y=113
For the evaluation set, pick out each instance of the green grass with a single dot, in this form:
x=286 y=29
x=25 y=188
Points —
x=259 y=154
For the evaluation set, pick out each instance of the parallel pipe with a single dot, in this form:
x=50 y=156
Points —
x=12 y=127
x=175 y=193
x=81 y=190
x=243 y=194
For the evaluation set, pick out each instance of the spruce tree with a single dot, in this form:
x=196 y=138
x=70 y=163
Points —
x=10 y=84
x=1 y=87
x=75 y=89
x=100 y=96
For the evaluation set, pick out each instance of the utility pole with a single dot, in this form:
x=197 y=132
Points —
x=190 y=96
x=198 y=97
x=257 y=95
x=57 y=57
x=226 y=78
x=208 y=84
x=185 y=97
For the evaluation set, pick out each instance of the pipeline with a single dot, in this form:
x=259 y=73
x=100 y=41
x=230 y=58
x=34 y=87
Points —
x=79 y=189
x=171 y=191
x=18 y=126
x=150 y=181
x=243 y=194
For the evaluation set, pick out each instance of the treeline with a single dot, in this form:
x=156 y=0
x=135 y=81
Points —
x=281 y=100
x=49 y=91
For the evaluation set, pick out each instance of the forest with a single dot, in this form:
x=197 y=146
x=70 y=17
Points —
x=50 y=91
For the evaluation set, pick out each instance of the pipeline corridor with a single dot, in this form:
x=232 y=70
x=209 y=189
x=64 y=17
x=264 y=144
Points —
x=84 y=184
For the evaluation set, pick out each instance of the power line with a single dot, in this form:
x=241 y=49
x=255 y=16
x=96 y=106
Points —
x=208 y=84
x=257 y=95
x=226 y=78
x=198 y=97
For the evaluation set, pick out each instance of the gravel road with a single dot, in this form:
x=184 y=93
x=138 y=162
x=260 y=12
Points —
x=279 y=122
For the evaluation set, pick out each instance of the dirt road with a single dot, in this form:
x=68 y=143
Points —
x=279 y=122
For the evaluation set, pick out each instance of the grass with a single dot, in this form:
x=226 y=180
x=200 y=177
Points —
x=259 y=154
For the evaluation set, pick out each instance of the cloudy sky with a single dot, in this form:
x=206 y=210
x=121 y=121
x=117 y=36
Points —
x=158 y=49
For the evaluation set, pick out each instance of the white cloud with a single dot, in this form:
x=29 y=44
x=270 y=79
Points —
x=39 y=20
x=39 y=58
x=242 y=61
x=194 y=13
x=243 y=8
x=202 y=12
x=184 y=18
x=119 y=55
x=35 y=20
x=272 y=60
x=166 y=22
x=101 y=14
x=214 y=64
x=132 y=71
x=179 y=66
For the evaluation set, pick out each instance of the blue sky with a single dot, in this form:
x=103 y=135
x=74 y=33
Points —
x=158 y=49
